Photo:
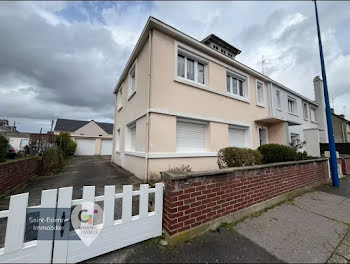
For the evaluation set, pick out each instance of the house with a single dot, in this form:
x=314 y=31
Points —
x=92 y=138
x=341 y=128
x=180 y=100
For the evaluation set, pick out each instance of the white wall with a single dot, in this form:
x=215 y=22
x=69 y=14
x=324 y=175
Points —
x=284 y=114
x=313 y=145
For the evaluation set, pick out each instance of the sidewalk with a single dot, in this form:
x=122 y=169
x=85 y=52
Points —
x=312 y=228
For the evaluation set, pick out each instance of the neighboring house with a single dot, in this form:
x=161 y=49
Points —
x=306 y=121
x=92 y=138
x=341 y=128
x=19 y=140
x=180 y=100
x=16 y=139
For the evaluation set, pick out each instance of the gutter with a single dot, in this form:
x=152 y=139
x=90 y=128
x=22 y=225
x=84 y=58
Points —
x=148 y=102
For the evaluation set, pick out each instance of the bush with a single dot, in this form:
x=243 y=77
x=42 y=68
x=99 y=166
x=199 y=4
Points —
x=238 y=157
x=71 y=148
x=66 y=144
x=182 y=168
x=53 y=161
x=278 y=153
x=3 y=148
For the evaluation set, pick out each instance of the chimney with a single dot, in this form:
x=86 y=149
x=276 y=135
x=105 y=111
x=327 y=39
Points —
x=342 y=116
x=332 y=110
x=321 y=109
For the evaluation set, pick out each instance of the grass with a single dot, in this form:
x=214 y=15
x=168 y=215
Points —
x=154 y=241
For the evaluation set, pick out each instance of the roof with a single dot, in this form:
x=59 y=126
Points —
x=70 y=125
x=222 y=43
x=153 y=23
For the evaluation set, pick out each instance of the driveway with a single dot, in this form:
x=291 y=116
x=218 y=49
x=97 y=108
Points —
x=81 y=171
x=84 y=170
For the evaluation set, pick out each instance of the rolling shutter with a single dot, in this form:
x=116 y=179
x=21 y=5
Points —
x=237 y=137
x=191 y=137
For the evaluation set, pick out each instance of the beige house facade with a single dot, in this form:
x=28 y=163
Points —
x=180 y=100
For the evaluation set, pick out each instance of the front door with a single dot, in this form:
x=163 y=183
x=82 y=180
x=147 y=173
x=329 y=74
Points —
x=262 y=136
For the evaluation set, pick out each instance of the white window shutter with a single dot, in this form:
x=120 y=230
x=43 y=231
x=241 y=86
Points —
x=237 y=137
x=191 y=137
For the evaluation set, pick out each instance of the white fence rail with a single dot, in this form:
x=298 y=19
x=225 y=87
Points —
x=114 y=234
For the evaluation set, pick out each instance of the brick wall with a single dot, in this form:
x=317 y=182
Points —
x=345 y=163
x=193 y=199
x=15 y=173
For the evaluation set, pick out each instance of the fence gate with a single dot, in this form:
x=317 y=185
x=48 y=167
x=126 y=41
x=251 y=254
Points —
x=113 y=234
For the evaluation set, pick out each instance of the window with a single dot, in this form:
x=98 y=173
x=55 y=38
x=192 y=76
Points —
x=278 y=99
x=191 y=135
x=306 y=112
x=236 y=86
x=313 y=114
x=117 y=140
x=191 y=68
x=237 y=136
x=292 y=105
x=294 y=138
x=260 y=94
x=120 y=98
x=131 y=143
x=132 y=81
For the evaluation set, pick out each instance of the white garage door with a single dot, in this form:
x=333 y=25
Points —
x=85 y=146
x=106 y=147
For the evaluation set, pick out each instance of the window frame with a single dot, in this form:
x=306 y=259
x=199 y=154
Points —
x=133 y=68
x=120 y=98
x=294 y=135
x=311 y=119
x=278 y=100
x=117 y=141
x=306 y=111
x=294 y=100
x=245 y=85
x=128 y=146
x=197 y=60
x=257 y=82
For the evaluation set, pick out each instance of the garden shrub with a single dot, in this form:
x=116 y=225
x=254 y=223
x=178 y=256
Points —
x=66 y=144
x=279 y=153
x=179 y=169
x=71 y=148
x=3 y=148
x=238 y=157
x=53 y=160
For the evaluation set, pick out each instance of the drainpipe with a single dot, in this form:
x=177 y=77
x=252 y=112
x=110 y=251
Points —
x=148 y=102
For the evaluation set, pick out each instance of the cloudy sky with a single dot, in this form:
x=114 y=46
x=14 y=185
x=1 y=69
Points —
x=62 y=59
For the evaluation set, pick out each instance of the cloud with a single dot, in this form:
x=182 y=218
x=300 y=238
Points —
x=63 y=59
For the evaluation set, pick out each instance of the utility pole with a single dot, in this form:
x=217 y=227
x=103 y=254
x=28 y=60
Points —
x=333 y=159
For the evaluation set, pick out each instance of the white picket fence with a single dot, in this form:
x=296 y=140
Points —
x=114 y=234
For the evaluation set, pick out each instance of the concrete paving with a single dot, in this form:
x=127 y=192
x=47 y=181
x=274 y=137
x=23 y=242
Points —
x=293 y=234
x=328 y=205
x=225 y=246
x=343 y=190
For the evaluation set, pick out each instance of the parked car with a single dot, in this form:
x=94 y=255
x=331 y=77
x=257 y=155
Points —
x=11 y=153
